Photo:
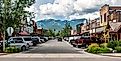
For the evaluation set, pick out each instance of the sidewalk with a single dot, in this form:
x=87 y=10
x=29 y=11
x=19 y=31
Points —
x=104 y=55
x=3 y=54
x=112 y=54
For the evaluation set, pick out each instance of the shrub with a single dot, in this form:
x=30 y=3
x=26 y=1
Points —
x=113 y=44
x=94 y=48
x=104 y=50
x=120 y=43
x=12 y=50
x=104 y=45
x=118 y=49
x=97 y=50
x=93 y=45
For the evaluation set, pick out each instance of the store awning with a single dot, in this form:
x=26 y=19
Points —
x=24 y=33
x=99 y=30
x=115 y=26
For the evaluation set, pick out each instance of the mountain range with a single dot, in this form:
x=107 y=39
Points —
x=58 y=24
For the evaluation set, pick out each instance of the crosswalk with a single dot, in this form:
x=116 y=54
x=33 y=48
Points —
x=20 y=55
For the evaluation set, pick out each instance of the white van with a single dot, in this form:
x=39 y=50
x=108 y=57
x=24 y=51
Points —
x=18 y=42
x=27 y=40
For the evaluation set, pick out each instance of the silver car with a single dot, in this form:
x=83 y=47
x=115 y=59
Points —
x=18 y=42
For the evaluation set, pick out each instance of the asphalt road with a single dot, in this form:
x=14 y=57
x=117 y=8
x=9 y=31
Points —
x=60 y=59
x=55 y=51
x=53 y=46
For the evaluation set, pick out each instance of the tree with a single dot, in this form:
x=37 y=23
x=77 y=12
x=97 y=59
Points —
x=44 y=32
x=58 y=34
x=51 y=33
x=66 y=31
x=12 y=12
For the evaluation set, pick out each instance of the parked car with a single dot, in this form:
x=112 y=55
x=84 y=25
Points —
x=70 y=38
x=43 y=39
x=46 y=38
x=27 y=40
x=60 y=39
x=66 y=38
x=19 y=42
x=72 y=41
x=36 y=39
x=82 y=42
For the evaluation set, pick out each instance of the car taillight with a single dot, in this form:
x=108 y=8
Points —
x=81 y=41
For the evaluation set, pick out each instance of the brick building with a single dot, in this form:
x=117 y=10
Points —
x=111 y=21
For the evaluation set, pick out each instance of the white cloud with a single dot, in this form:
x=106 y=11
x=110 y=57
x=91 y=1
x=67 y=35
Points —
x=72 y=9
x=87 y=16
x=91 y=15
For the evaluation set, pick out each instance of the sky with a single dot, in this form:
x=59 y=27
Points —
x=69 y=9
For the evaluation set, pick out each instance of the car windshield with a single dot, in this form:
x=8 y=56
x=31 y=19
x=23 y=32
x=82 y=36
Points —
x=27 y=39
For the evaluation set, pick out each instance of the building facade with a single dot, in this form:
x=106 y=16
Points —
x=107 y=26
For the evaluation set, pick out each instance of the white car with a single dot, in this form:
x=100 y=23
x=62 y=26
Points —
x=70 y=38
x=42 y=39
x=28 y=40
x=25 y=39
x=18 y=42
x=46 y=37
x=38 y=39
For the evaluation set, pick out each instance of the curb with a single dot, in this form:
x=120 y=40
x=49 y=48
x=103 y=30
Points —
x=3 y=54
x=111 y=56
x=102 y=55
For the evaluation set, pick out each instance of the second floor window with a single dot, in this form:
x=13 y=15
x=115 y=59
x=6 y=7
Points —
x=101 y=18
x=105 y=17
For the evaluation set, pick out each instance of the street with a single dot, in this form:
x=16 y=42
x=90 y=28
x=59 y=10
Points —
x=53 y=46
x=53 y=50
x=60 y=30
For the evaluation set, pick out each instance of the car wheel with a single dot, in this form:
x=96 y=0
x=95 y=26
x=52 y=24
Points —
x=28 y=45
x=34 y=43
x=74 y=45
x=23 y=48
x=79 y=46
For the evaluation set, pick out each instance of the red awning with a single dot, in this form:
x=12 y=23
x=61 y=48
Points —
x=24 y=33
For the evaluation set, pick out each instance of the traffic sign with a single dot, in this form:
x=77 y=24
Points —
x=10 y=30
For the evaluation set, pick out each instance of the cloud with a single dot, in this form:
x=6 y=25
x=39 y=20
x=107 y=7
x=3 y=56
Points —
x=71 y=9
